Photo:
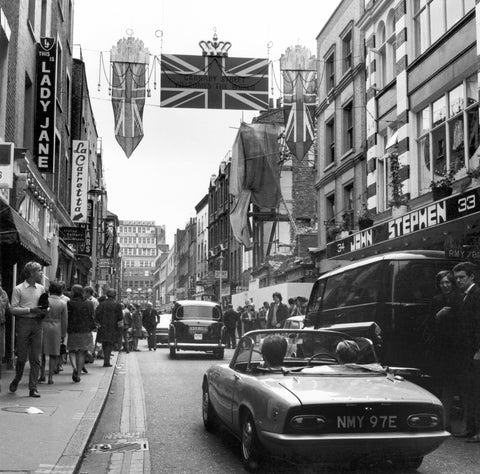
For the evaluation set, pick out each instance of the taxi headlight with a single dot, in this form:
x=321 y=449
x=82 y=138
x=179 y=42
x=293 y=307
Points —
x=423 y=420
x=307 y=422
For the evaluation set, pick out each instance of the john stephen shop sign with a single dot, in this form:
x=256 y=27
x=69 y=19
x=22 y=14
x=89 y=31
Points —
x=426 y=217
x=44 y=136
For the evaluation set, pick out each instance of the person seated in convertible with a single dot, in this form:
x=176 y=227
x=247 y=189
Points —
x=274 y=348
x=347 y=352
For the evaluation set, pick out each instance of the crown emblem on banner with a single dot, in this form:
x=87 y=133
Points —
x=215 y=47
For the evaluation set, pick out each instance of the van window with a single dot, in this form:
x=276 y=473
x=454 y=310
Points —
x=357 y=286
x=198 y=312
x=315 y=301
x=414 y=281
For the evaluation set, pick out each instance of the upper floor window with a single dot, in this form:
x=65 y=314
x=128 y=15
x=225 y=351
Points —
x=330 y=72
x=330 y=142
x=347 y=51
x=448 y=132
x=347 y=127
x=434 y=17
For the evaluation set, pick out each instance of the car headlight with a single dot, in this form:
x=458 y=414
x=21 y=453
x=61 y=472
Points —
x=423 y=420
x=307 y=422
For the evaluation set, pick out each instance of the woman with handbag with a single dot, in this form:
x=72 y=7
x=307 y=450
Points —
x=54 y=328
x=81 y=323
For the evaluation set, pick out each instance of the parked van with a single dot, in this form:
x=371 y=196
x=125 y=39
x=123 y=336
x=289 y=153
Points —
x=394 y=290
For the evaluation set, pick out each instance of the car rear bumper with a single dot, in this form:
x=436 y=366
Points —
x=336 y=446
x=187 y=346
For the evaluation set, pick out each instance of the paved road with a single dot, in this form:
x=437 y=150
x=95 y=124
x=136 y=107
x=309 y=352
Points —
x=168 y=394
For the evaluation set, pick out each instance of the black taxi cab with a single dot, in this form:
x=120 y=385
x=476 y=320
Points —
x=197 y=326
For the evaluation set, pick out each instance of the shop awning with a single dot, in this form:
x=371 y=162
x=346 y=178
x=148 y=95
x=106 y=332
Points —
x=15 y=230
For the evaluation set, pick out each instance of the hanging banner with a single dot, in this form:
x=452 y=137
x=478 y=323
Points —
x=6 y=165
x=214 y=82
x=109 y=239
x=44 y=134
x=129 y=61
x=78 y=209
x=299 y=71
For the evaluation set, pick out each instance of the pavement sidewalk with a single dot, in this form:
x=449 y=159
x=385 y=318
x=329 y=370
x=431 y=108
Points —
x=51 y=442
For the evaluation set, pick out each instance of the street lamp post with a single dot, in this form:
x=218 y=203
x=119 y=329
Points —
x=97 y=193
x=220 y=263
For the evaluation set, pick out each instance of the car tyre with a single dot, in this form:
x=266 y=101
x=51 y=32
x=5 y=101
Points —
x=409 y=463
x=219 y=354
x=210 y=420
x=250 y=445
x=173 y=353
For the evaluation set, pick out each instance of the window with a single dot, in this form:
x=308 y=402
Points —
x=330 y=72
x=347 y=127
x=348 y=215
x=434 y=17
x=347 y=51
x=330 y=142
x=448 y=131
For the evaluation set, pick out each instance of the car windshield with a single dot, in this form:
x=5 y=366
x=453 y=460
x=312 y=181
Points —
x=305 y=352
x=198 y=312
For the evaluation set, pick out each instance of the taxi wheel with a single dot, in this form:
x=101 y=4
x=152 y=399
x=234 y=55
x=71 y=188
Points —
x=208 y=412
x=173 y=353
x=251 y=446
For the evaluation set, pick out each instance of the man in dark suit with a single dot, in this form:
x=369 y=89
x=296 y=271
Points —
x=469 y=334
x=277 y=313
x=109 y=316
x=230 y=319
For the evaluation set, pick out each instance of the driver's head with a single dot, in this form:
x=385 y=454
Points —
x=347 y=352
x=274 y=349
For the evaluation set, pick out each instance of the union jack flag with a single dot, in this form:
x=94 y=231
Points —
x=128 y=100
x=299 y=98
x=214 y=82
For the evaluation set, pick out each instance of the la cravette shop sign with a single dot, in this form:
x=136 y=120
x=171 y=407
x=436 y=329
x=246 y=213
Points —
x=44 y=135
x=426 y=217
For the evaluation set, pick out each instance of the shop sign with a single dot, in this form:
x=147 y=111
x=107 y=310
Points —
x=78 y=209
x=44 y=135
x=6 y=165
x=72 y=235
x=426 y=217
x=105 y=262
x=110 y=237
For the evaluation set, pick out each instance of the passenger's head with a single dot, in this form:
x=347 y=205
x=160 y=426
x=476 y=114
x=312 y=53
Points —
x=347 y=352
x=277 y=297
x=274 y=349
x=111 y=293
x=445 y=281
x=464 y=275
x=56 y=288
x=77 y=291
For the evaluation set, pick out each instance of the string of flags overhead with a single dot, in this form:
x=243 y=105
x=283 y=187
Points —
x=212 y=80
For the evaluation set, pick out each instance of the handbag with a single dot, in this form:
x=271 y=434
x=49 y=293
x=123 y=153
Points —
x=63 y=349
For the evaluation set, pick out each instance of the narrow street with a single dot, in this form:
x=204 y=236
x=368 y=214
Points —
x=155 y=405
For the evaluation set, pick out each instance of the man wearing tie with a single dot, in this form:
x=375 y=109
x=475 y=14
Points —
x=469 y=333
x=277 y=313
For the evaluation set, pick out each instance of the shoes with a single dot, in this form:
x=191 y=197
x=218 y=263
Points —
x=42 y=378
x=33 y=393
x=13 y=386
x=50 y=380
x=60 y=368
x=75 y=376
x=107 y=365
x=56 y=371
x=84 y=370
x=473 y=439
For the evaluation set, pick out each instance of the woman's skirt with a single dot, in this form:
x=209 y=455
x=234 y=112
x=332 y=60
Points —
x=79 y=341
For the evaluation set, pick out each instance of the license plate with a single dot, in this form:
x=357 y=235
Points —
x=198 y=329
x=366 y=422
x=198 y=337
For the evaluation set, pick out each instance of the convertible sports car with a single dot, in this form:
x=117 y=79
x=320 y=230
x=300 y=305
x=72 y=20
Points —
x=315 y=407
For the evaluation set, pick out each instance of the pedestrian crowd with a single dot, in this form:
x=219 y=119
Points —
x=270 y=316
x=55 y=323
x=452 y=335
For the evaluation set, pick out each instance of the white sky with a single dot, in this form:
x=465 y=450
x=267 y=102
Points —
x=169 y=172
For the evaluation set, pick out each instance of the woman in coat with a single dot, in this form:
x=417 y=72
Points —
x=79 y=329
x=137 y=326
x=54 y=328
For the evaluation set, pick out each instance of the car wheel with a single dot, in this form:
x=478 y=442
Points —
x=251 y=446
x=208 y=412
x=409 y=463
x=173 y=353
x=219 y=354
